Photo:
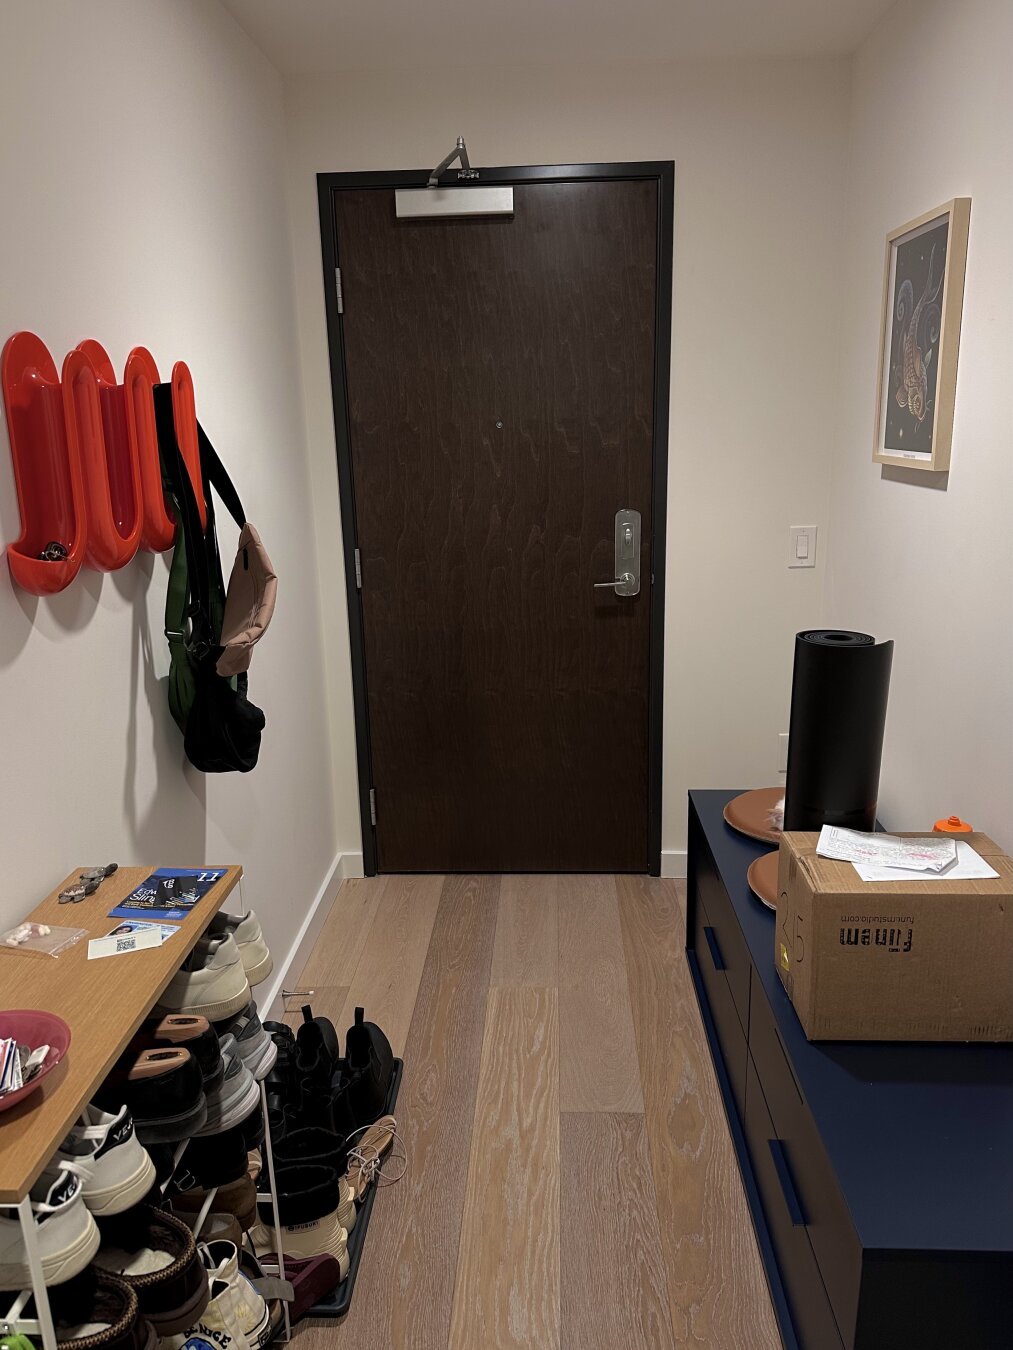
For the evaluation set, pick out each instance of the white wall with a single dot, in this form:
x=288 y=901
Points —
x=141 y=157
x=929 y=562
x=759 y=150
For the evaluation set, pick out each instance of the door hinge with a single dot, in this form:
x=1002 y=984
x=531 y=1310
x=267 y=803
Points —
x=372 y=806
x=358 y=570
x=338 y=290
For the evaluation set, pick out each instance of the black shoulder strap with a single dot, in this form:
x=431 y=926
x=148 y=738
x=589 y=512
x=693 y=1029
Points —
x=205 y=583
x=176 y=477
x=216 y=474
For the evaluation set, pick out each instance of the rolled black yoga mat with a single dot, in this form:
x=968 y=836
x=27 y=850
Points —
x=839 y=691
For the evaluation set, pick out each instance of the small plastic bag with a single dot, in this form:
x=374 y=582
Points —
x=40 y=937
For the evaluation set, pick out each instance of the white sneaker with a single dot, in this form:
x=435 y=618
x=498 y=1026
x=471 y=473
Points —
x=68 y=1236
x=113 y=1165
x=245 y=928
x=245 y=1304
x=211 y=982
x=218 y=1328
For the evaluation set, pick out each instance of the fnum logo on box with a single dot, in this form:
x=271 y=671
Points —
x=893 y=939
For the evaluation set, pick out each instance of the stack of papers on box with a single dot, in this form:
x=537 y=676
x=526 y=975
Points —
x=884 y=857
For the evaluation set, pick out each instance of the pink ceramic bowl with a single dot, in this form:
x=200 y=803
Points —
x=29 y=1027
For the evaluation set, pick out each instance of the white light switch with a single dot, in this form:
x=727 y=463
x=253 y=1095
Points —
x=802 y=546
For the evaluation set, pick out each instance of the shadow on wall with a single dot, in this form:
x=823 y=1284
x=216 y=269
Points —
x=71 y=609
x=896 y=473
x=162 y=818
x=172 y=827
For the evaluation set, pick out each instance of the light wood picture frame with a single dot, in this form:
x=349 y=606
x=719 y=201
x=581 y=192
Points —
x=923 y=297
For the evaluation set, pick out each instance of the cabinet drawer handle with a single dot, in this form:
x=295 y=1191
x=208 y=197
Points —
x=787 y=1185
x=715 y=950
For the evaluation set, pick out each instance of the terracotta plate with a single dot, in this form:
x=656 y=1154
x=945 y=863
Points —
x=749 y=813
x=762 y=878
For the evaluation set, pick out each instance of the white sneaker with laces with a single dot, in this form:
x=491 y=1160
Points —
x=246 y=1305
x=68 y=1236
x=115 y=1169
x=211 y=982
x=218 y=1328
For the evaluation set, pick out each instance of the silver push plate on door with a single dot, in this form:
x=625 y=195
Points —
x=422 y=203
x=627 y=578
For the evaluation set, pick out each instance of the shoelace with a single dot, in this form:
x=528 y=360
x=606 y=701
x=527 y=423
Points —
x=370 y=1164
x=65 y=1165
x=43 y=1206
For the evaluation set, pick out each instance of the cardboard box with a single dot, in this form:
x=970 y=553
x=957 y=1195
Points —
x=894 y=960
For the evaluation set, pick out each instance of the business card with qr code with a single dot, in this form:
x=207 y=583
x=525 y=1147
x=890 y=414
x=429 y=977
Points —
x=128 y=937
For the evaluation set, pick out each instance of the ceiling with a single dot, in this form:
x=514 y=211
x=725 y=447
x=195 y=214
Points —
x=306 y=36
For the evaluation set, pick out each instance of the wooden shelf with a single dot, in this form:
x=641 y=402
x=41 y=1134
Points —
x=103 y=1003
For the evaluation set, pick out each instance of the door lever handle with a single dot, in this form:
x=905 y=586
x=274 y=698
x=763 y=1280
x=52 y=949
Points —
x=626 y=579
x=626 y=566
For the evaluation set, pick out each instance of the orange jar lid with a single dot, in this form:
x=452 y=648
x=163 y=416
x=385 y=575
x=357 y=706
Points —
x=953 y=825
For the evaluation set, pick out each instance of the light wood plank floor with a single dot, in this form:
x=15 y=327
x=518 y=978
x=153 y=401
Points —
x=572 y=1182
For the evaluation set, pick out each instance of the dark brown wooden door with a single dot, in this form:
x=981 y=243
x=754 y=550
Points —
x=500 y=392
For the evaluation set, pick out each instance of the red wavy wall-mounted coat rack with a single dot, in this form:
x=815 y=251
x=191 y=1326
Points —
x=86 y=464
x=97 y=429
x=184 y=418
x=47 y=472
x=139 y=380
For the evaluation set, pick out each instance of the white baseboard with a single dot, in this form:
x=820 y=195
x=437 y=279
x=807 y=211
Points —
x=344 y=865
x=351 y=866
x=673 y=862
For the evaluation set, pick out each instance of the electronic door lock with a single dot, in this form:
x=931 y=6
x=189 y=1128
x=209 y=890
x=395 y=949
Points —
x=626 y=581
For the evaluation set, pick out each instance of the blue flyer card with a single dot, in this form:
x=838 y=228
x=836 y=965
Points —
x=169 y=893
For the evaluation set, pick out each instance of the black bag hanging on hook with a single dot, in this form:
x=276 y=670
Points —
x=221 y=727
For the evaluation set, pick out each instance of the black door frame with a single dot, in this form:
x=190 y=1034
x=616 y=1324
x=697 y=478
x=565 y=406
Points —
x=663 y=173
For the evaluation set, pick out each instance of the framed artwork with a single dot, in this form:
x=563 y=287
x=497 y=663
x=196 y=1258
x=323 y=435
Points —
x=923 y=293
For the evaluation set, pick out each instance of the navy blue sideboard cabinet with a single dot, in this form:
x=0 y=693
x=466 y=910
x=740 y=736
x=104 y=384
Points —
x=879 y=1176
